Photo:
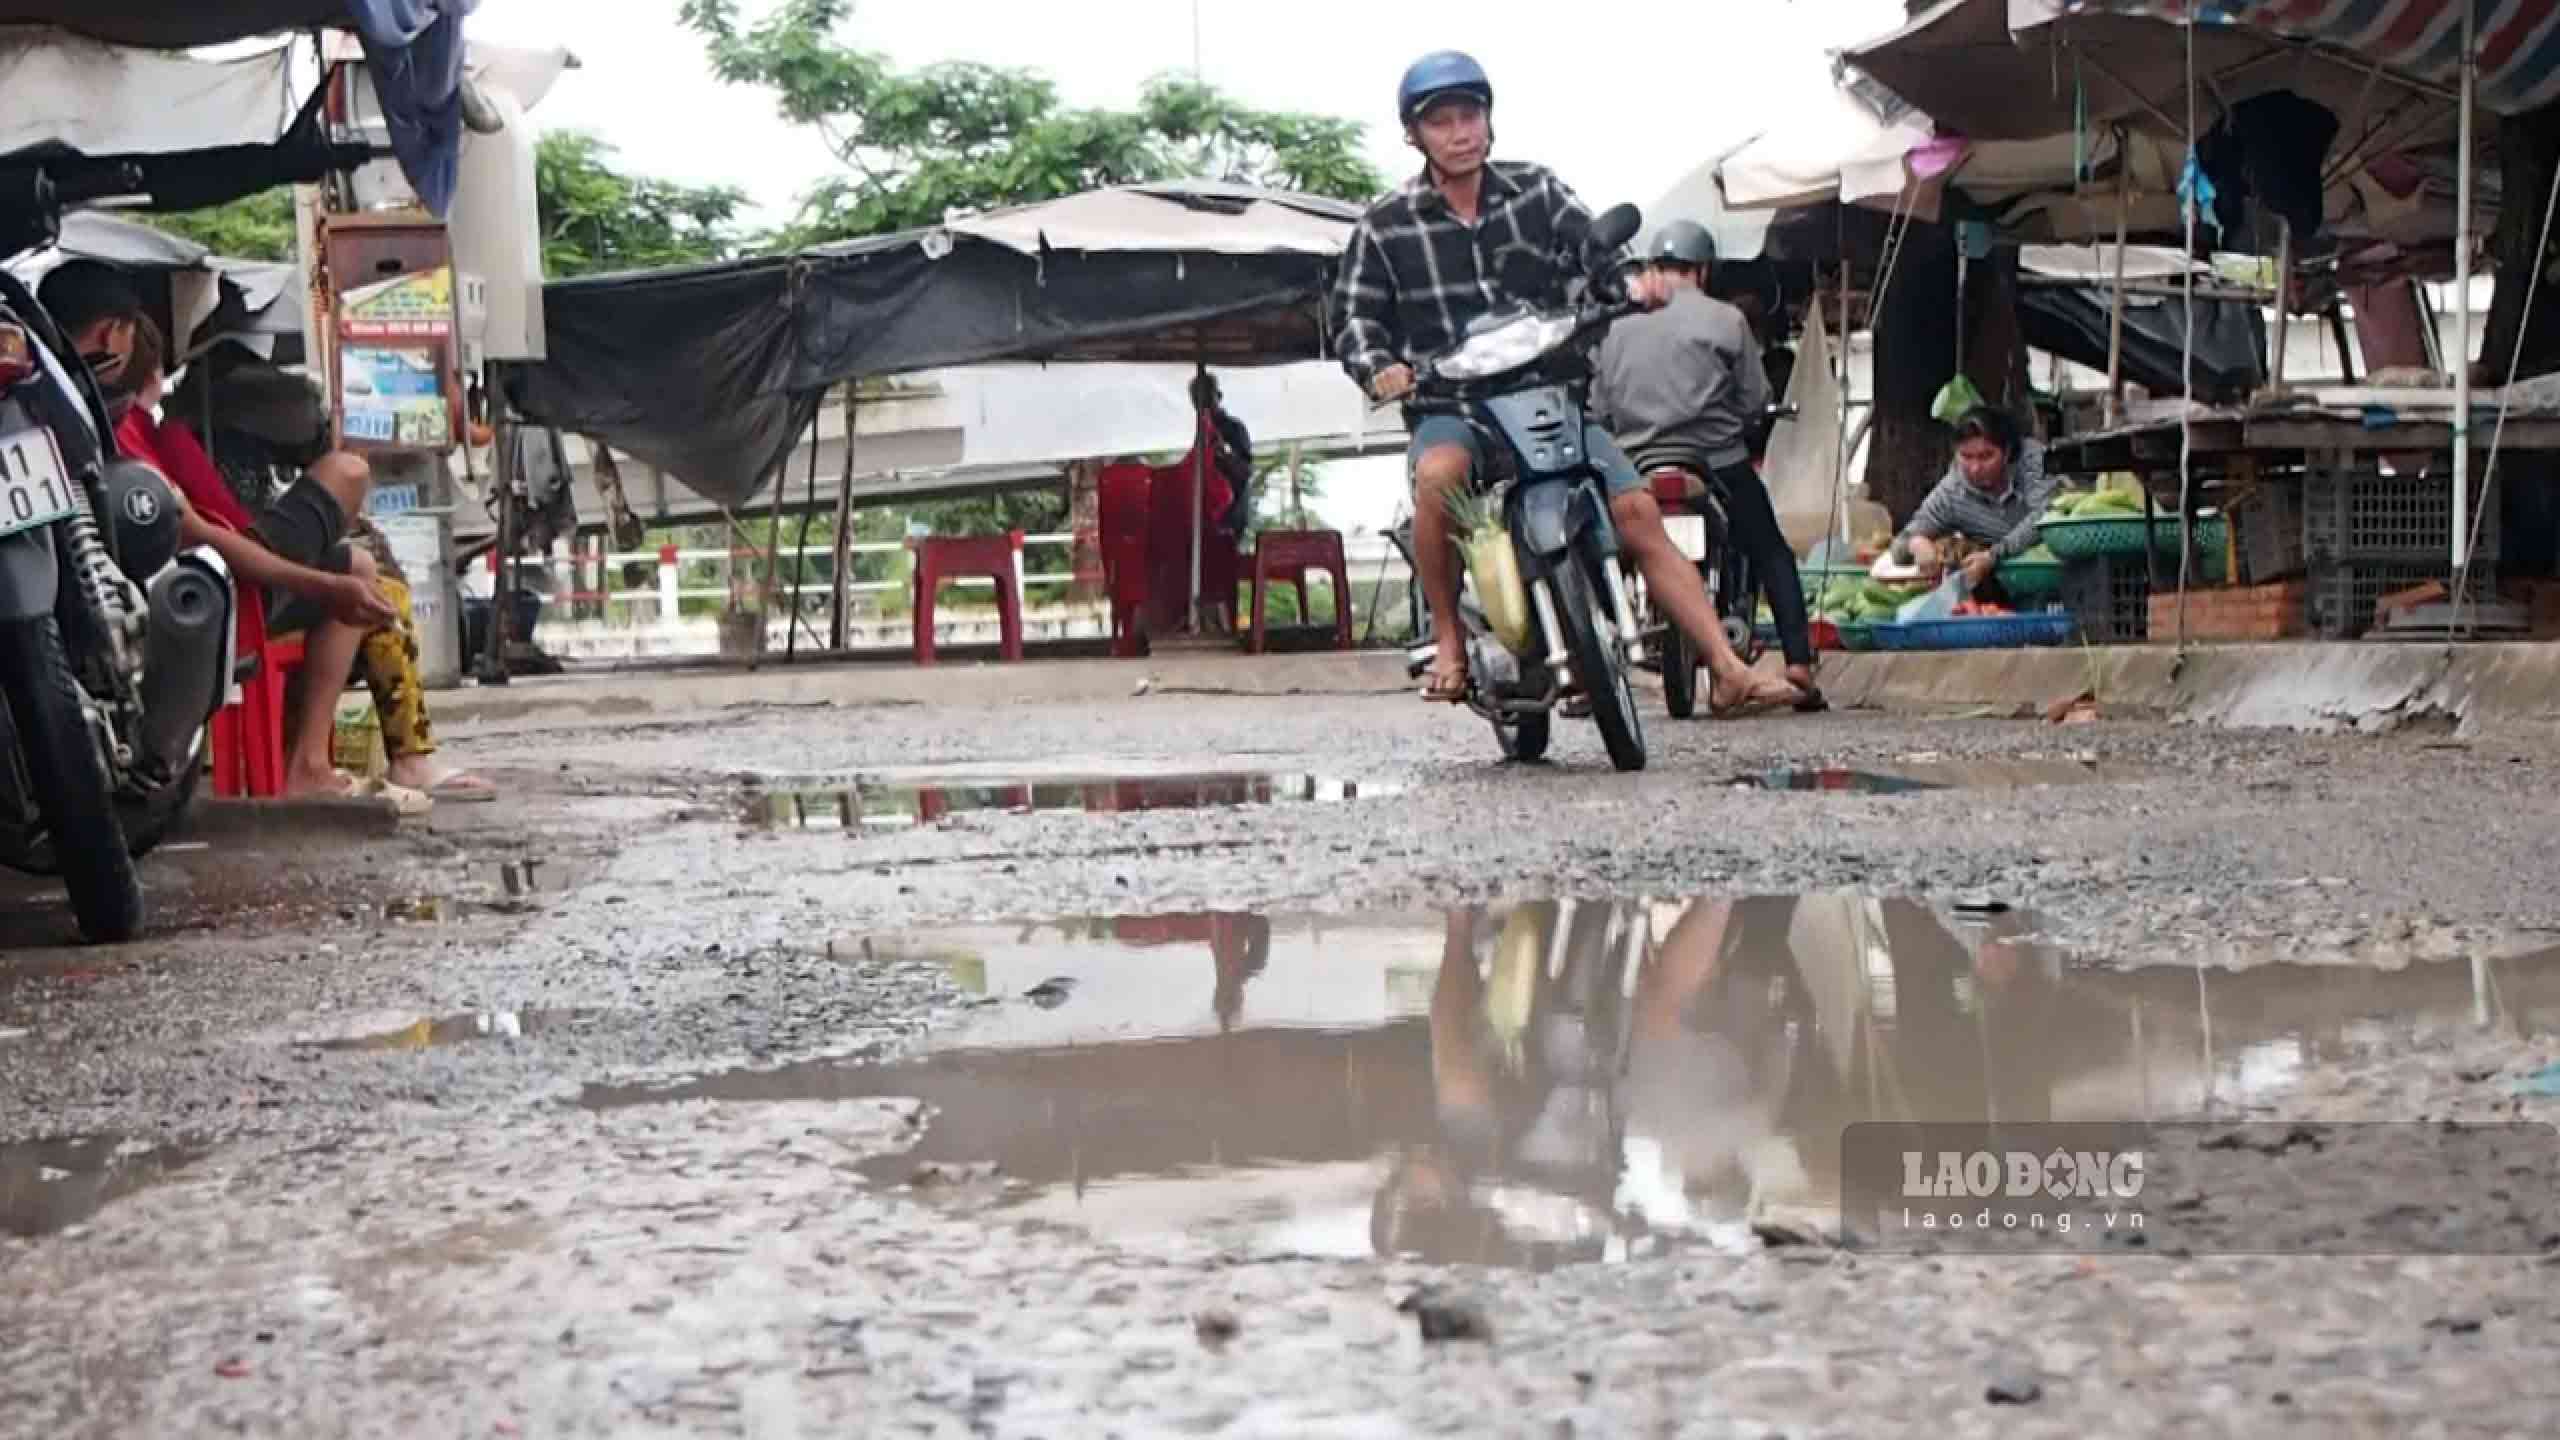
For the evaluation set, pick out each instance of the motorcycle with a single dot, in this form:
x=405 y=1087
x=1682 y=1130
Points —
x=1544 y=593
x=116 y=649
x=1694 y=511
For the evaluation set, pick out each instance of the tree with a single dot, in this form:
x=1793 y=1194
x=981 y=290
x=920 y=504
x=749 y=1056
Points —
x=259 y=227
x=966 y=136
x=597 y=218
x=594 y=217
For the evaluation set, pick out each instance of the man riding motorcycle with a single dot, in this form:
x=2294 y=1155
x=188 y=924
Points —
x=1683 y=389
x=1445 y=249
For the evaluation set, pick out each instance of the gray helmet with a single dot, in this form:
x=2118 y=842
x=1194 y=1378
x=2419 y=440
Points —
x=1683 y=242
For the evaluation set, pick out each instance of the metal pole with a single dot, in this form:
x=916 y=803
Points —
x=2462 y=301
x=844 y=524
x=1199 y=491
x=2115 y=312
x=1848 y=442
x=2284 y=311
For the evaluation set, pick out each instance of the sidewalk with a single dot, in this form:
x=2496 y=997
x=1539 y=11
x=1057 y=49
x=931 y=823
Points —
x=2370 y=687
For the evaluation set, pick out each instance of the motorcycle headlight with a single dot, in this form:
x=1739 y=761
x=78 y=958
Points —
x=1506 y=347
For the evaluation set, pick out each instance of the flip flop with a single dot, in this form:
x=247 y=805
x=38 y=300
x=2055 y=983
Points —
x=408 y=804
x=1445 y=686
x=462 y=788
x=1760 y=704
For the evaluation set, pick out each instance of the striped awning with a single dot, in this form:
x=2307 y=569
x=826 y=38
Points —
x=2519 y=40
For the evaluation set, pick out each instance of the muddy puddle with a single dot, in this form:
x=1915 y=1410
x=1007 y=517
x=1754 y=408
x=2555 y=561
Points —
x=1915 y=776
x=905 y=803
x=433 y=1033
x=1555 y=1082
x=47 y=1186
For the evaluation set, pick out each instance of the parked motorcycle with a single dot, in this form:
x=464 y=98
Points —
x=115 y=648
x=1694 y=510
x=1544 y=595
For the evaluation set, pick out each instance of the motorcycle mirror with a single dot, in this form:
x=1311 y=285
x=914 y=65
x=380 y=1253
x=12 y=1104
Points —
x=1615 y=227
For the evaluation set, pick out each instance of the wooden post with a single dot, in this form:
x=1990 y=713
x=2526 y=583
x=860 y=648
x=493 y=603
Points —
x=2115 y=310
x=1297 y=500
x=773 y=544
x=838 y=621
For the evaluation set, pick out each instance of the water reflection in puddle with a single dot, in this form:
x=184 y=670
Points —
x=1557 y=1081
x=47 y=1186
x=900 y=805
x=429 y=1033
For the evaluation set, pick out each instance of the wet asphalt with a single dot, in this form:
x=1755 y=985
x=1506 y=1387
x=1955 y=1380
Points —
x=581 y=1112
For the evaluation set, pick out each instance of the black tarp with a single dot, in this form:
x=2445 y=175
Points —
x=711 y=372
x=174 y=24
x=2231 y=338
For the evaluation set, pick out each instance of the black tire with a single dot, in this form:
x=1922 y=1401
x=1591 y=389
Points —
x=72 y=792
x=1596 y=667
x=1679 y=673
x=1525 y=739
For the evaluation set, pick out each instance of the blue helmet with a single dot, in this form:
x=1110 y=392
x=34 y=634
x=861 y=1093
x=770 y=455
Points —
x=1443 y=72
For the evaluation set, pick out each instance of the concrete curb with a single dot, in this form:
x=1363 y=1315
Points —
x=252 y=820
x=2372 y=688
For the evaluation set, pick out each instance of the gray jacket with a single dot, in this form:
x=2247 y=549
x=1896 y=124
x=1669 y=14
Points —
x=1682 y=384
x=2009 y=522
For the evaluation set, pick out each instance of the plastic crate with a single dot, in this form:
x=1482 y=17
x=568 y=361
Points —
x=2342 y=596
x=2110 y=597
x=2120 y=536
x=2360 y=518
x=1979 y=632
x=2030 y=582
x=2267 y=531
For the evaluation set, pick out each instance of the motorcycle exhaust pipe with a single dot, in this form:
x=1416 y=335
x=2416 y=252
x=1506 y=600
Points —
x=184 y=645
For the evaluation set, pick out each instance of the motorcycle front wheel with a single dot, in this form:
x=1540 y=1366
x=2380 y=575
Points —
x=72 y=792
x=1596 y=664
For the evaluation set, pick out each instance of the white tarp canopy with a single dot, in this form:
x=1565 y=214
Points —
x=104 y=99
x=1195 y=215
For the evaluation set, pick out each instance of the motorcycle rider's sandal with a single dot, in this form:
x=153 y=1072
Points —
x=1445 y=684
x=1758 y=702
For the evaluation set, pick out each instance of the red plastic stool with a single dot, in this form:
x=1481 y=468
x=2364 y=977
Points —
x=1124 y=567
x=1289 y=555
x=995 y=556
x=248 y=734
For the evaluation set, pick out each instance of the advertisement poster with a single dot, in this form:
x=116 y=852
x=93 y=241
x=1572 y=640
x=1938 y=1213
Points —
x=417 y=306
x=394 y=396
x=394 y=339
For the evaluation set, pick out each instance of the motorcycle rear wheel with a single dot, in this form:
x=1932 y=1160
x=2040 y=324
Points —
x=1597 y=665
x=72 y=792
x=1679 y=673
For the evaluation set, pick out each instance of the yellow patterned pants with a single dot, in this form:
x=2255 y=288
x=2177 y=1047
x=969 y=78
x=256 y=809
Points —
x=387 y=663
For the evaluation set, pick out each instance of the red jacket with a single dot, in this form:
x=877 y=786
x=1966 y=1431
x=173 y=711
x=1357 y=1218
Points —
x=172 y=449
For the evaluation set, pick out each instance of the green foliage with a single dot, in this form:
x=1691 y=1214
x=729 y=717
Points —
x=259 y=227
x=597 y=218
x=594 y=217
x=916 y=144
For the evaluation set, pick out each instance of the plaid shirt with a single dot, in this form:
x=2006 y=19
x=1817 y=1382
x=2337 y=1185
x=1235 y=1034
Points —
x=1415 y=275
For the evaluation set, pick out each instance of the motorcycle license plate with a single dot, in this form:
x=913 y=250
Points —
x=1689 y=532
x=35 y=486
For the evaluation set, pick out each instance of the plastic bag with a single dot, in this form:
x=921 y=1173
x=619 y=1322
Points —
x=1938 y=604
x=1956 y=399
